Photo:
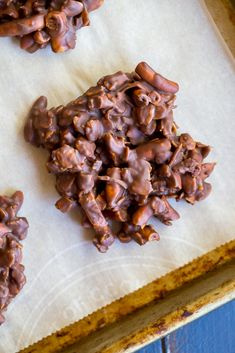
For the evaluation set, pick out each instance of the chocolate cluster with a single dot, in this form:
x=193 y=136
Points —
x=115 y=152
x=13 y=229
x=38 y=23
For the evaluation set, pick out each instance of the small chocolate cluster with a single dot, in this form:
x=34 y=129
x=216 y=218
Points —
x=12 y=230
x=115 y=152
x=38 y=23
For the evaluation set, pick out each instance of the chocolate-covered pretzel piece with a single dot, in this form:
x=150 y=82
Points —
x=39 y=23
x=117 y=154
x=13 y=229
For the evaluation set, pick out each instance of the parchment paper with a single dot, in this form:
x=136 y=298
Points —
x=66 y=276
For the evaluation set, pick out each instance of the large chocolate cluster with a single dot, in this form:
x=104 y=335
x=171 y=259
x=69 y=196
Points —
x=13 y=229
x=38 y=23
x=115 y=152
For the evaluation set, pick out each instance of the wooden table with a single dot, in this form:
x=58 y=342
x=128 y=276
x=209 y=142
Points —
x=212 y=333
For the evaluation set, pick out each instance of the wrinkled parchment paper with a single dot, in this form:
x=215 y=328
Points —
x=67 y=278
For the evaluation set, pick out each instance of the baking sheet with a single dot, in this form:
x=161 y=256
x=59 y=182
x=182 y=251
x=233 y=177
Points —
x=66 y=277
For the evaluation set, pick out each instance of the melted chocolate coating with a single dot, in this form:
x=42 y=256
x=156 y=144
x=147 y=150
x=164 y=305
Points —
x=12 y=230
x=38 y=23
x=116 y=152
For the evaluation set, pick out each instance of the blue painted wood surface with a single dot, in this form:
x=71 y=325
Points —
x=155 y=347
x=212 y=333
